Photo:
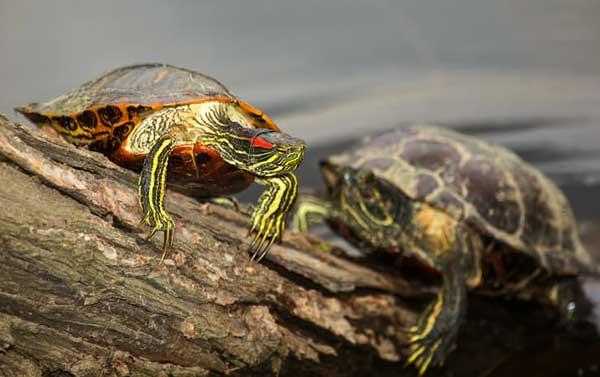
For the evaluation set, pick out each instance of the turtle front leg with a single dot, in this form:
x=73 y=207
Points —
x=151 y=186
x=434 y=334
x=454 y=250
x=309 y=210
x=268 y=218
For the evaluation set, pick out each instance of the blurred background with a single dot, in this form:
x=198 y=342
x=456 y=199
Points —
x=525 y=74
x=522 y=73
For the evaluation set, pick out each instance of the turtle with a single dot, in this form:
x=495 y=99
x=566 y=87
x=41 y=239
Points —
x=472 y=214
x=173 y=124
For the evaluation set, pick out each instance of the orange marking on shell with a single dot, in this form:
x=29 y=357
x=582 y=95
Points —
x=220 y=177
x=102 y=129
x=253 y=110
x=161 y=75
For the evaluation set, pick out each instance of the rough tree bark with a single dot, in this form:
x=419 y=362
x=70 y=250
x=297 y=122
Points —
x=82 y=294
x=82 y=291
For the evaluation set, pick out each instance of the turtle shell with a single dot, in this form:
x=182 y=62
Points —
x=101 y=114
x=483 y=185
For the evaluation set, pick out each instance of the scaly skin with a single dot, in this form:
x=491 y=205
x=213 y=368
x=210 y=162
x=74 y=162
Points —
x=384 y=219
x=268 y=219
x=151 y=186
x=270 y=155
x=141 y=115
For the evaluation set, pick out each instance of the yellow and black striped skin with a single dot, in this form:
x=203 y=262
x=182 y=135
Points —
x=375 y=216
x=272 y=167
x=151 y=187
x=268 y=218
x=206 y=159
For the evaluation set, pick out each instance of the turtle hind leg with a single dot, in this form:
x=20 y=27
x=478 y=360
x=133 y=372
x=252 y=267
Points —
x=151 y=187
x=432 y=337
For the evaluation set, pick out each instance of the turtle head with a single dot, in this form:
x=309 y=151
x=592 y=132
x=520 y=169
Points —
x=273 y=153
x=245 y=138
x=263 y=152
x=366 y=203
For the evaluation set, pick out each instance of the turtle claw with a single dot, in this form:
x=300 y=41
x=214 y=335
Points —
x=167 y=226
x=150 y=234
x=255 y=247
x=426 y=353
x=167 y=245
x=262 y=248
x=267 y=232
x=268 y=218
x=262 y=242
x=430 y=342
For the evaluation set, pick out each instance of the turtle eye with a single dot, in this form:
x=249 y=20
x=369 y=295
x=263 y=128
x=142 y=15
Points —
x=259 y=142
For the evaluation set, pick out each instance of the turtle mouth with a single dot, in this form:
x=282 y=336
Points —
x=349 y=234
x=276 y=152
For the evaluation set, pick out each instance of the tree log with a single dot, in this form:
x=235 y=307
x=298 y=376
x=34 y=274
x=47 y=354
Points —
x=82 y=293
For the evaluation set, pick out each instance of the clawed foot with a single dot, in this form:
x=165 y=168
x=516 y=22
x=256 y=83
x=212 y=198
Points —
x=268 y=230
x=268 y=218
x=427 y=350
x=166 y=225
x=431 y=340
x=151 y=186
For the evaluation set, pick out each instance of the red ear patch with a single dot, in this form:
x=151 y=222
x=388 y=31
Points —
x=261 y=143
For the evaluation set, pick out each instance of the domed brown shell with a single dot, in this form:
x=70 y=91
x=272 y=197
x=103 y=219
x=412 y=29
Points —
x=102 y=113
x=486 y=186
x=105 y=110
x=142 y=84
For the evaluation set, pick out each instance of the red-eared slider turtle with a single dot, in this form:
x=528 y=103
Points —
x=474 y=213
x=146 y=116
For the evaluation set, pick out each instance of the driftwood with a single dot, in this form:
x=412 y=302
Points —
x=82 y=294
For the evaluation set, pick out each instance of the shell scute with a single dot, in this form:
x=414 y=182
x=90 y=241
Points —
x=430 y=154
x=539 y=227
x=381 y=163
x=144 y=84
x=87 y=120
x=426 y=184
x=65 y=122
x=110 y=115
x=138 y=111
x=484 y=185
